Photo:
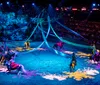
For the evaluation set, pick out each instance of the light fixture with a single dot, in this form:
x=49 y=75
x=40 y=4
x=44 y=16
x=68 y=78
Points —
x=1 y=4
x=33 y=4
x=93 y=4
x=8 y=2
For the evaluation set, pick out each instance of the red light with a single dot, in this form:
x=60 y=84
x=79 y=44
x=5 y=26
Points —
x=95 y=9
x=74 y=9
x=83 y=9
x=57 y=8
x=65 y=8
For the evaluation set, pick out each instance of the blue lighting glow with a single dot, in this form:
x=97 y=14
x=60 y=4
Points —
x=94 y=4
x=50 y=5
x=0 y=3
x=56 y=51
x=33 y=4
x=62 y=54
x=8 y=2
x=98 y=4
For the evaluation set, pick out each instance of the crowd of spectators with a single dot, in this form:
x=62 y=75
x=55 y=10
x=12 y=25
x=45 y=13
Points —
x=88 y=29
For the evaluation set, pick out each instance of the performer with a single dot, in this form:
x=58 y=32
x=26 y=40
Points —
x=96 y=57
x=93 y=52
x=2 y=53
x=73 y=63
x=11 y=65
x=58 y=45
x=27 y=44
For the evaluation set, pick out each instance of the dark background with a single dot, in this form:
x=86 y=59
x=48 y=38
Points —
x=55 y=2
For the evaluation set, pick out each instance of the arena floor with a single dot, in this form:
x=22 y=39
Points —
x=46 y=66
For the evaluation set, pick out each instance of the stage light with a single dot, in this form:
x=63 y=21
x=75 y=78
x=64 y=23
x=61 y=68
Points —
x=62 y=9
x=23 y=6
x=65 y=8
x=8 y=2
x=74 y=9
x=33 y=4
x=50 y=5
x=83 y=9
x=90 y=11
x=93 y=4
x=57 y=8
x=1 y=4
x=98 y=4
x=95 y=9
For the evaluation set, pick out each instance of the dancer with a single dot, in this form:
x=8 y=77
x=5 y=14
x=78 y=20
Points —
x=11 y=65
x=7 y=56
x=27 y=44
x=94 y=50
x=92 y=53
x=58 y=45
x=73 y=63
x=2 y=53
x=96 y=57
